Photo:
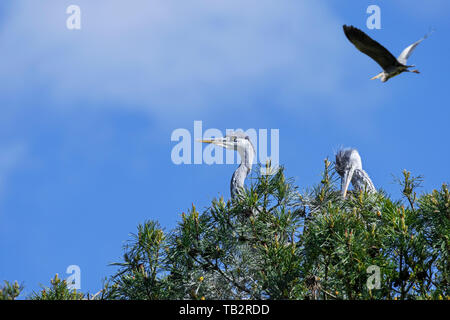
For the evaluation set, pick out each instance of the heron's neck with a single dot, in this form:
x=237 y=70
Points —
x=361 y=181
x=241 y=173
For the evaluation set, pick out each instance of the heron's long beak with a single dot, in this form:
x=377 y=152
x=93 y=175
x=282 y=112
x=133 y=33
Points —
x=205 y=141
x=216 y=141
x=377 y=76
x=346 y=179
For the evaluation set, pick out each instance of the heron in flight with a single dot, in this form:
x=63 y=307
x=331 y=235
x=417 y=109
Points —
x=349 y=166
x=241 y=143
x=391 y=66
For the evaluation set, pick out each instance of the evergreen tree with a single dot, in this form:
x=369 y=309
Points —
x=10 y=291
x=272 y=242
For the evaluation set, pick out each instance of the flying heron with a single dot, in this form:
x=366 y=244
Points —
x=349 y=167
x=391 y=66
x=241 y=143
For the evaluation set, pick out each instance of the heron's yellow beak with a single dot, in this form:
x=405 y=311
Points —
x=377 y=76
x=205 y=141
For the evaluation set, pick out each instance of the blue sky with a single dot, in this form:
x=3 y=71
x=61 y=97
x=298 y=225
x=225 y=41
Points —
x=86 y=115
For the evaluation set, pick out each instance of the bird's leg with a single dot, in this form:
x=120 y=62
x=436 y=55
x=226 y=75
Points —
x=414 y=71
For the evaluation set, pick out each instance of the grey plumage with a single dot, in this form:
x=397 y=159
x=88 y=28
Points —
x=349 y=166
x=241 y=143
x=391 y=66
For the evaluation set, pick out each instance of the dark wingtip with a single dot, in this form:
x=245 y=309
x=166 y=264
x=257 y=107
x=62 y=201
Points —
x=351 y=32
x=347 y=28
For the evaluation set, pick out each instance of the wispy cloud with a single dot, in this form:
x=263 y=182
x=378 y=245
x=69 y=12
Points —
x=172 y=57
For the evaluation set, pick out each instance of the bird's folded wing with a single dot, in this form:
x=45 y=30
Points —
x=370 y=47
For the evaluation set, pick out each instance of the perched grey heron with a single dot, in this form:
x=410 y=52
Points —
x=391 y=66
x=241 y=143
x=349 y=166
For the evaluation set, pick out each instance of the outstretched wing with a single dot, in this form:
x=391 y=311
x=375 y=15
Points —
x=367 y=45
x=403 y=57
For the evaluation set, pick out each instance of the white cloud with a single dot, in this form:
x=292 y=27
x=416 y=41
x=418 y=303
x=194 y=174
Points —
x=172 y=57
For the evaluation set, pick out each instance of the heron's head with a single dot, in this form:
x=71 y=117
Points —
x=347 y=161
x=237 y=141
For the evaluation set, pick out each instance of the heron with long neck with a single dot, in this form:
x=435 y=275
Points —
x=241 y=143
x=349 y=166
x=391 y=65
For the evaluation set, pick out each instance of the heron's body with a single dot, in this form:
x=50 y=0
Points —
x=349 y=167
x=246 y=153
x=361 y=181
x=393 y=71
x=238 y=178
x=391 y=66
